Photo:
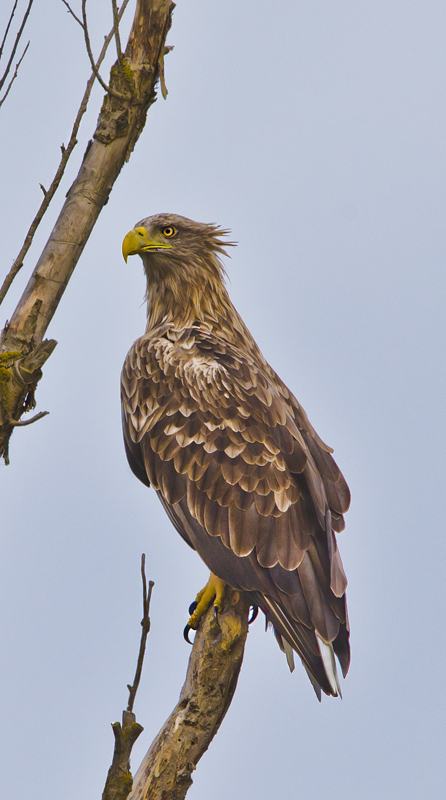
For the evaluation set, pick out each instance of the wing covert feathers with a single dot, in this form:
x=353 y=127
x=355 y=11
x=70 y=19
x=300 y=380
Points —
x=246 y=481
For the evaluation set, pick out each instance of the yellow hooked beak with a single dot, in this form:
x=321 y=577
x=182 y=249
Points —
x=137 y=241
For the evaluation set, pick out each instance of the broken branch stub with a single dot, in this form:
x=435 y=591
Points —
x=119 y=779
x=132 y=80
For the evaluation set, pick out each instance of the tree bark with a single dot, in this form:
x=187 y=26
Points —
x=214 y=666
x=121 y=120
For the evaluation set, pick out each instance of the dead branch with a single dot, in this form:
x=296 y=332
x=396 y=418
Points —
x=119 y=126
x=66 y=153
x=16 y=43
x=119 y=779
x=211 y=680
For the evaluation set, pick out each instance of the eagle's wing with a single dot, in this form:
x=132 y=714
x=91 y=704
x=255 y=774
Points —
x=245 y=480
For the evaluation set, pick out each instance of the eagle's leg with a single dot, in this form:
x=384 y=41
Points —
x=213 y=592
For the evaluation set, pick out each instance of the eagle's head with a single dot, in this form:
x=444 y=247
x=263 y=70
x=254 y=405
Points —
x=185 y=277
x=169 y=241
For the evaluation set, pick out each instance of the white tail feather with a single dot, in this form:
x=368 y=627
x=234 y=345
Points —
x=328 y=660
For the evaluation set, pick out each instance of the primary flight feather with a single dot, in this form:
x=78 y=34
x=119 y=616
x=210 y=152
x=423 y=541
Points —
x=237 y=465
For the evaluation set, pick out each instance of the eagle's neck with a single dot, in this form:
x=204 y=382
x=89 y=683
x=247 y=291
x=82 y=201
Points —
x=200 y=298
x=183 y=304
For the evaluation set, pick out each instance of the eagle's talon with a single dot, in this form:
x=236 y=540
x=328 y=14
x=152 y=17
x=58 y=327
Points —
x=254 y=611
x=211 y=594
x=186 y=633
x=192 y=607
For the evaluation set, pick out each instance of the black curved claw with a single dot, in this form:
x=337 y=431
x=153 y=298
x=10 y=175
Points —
x=254 y=612
x=186 y=634
x=192 y=607
x=216 y=614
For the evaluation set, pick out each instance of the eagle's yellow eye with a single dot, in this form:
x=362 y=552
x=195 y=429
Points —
x=169 y=231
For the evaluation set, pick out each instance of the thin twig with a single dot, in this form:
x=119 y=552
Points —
x=145 y=623
x=70 y=10
x=8 y=27
x=94 y=65
x=66 y=153
x=16 y=44
x=14 y=76
x=116 y=24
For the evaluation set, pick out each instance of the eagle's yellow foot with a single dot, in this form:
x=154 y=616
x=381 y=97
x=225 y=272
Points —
x=213 y=592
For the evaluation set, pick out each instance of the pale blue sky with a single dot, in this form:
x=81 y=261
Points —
x=316 y=132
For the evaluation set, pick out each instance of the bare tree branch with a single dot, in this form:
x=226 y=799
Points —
x=119 y=779
x=14 y=76
x=211 y=680
x=8 y=27
x=16 y=43
x=120 y=123
x=66 y=153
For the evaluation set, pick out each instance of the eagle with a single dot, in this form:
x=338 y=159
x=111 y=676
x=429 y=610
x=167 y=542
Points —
x=231 y=454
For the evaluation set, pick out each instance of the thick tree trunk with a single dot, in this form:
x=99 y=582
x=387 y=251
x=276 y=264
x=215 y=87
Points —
x=214 y=666
x=122 y=118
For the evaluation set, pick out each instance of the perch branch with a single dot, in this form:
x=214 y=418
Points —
x=211 y=679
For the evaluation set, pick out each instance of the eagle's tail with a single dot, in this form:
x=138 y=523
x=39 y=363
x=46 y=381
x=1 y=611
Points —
x=317 y=656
